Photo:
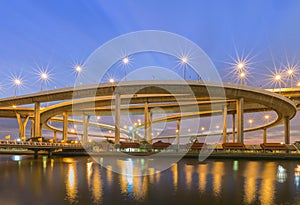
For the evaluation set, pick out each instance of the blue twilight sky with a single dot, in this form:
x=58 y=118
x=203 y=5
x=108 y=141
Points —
x=57 y=34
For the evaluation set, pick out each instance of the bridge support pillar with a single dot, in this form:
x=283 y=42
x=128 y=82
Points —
x=150 y=134
x=85 y=121
x=65 y=126
x=178 y=134
x=265 y=135
x=54 y=136
x=224 y=123
x=32 y=128
x=22 y=126
x=148 y=123
x=240 y=119
x=117 y=118
x=233 y=127
x=286 y=130
x=37 y=119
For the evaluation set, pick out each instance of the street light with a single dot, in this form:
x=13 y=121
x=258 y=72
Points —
x=242 y=77
x=111 y=80
x=240 y=65
x=250 y=121
x=184 y=61
x=291 y=71
x=44 y=77
x=17 y=83
x=125 y=62
x=277 y=79
x=267 y=117
x=78 y=70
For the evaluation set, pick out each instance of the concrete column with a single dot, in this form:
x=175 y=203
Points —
x=117 y=118
x=265 y=135
x=32 y=128
x=286 y=130
x=240 y=119
x=85 y=121
x=37 y=119
x=146 y=121
x=54 y=136
x=22 y=126
x=150 y=127
x=233 y=127
x=178 y=133
x=224 y=123
x=65 y=126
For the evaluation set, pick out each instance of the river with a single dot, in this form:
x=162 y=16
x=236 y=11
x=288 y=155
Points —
x=80 y=180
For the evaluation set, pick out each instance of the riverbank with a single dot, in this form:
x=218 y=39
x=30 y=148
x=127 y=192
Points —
x=213 y=155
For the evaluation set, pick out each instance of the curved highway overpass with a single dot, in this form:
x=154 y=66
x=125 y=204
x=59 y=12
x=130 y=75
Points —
x=140 y=97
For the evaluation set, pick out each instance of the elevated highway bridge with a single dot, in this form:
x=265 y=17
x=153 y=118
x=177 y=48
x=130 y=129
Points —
x=113 y=99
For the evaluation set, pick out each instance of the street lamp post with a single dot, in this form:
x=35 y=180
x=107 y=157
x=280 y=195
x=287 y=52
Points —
x=277 y=78
x=290 y=73
x=184 y=61
x=44 y=77
x=240 y=68
x=242 y=77
x=125 y=61
x=17 y=83
x=78 y=70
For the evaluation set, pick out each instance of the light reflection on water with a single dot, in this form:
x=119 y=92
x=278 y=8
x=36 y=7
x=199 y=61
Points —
x=202 y=173
x=82 y=181
x=251 y=173
x=217 y=172
x=267 y=189
x=71 y=183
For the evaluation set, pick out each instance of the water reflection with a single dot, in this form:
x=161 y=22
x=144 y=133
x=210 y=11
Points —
x=109 y=175
x=82 y=181
x=218 y=171
x=297 y=176
x=267 y=190
x=202 y=173
x=188 y=170
x=157 y=177
x=131 y=183
x=250 y=173
x=235 y=165
x=96 y=186
x=281 y=174
x=175 y=176
x=71 y=183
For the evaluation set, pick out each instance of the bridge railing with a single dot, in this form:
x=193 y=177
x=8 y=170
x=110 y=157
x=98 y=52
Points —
x=44 y=144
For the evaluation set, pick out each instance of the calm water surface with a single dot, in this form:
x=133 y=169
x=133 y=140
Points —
x=79 y=180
